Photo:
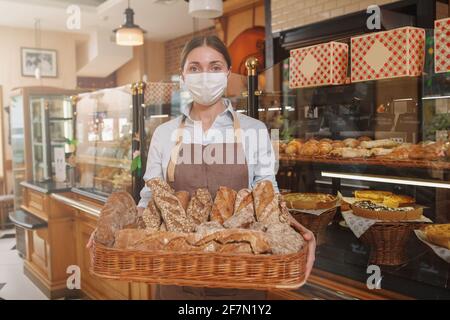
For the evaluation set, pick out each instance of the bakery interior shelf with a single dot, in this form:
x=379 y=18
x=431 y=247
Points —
x=437 y=165
x=107 y=162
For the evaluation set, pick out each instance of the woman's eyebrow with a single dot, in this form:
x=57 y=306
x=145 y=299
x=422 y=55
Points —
x=216 y=61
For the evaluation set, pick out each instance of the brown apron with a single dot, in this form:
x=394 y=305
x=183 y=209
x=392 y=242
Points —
x=232 y=172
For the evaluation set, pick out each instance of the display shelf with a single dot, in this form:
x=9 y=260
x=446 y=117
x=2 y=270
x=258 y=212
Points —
x=106 y=162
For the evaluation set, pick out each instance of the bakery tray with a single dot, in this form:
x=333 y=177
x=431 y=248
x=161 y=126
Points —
x=437 y=165
x=200 y=269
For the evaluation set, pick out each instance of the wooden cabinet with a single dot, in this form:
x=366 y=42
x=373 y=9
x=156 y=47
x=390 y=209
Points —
x=50 y=250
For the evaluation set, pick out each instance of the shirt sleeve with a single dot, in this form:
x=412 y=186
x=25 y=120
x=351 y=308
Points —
x=153 y=168
x=266 y=163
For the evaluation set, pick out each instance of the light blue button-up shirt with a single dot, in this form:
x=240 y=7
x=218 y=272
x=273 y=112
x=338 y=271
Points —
x=259 y=152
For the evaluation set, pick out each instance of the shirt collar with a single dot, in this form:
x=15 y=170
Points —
x=186 y=109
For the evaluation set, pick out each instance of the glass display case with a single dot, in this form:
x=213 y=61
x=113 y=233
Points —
x=104 y=121
x=321 y=130
x=41 y=119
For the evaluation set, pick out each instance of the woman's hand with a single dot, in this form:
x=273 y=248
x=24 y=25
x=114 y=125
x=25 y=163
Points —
x=309 y=237
x=91 y=239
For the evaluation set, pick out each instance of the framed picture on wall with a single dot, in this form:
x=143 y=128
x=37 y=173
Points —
x=33 y=58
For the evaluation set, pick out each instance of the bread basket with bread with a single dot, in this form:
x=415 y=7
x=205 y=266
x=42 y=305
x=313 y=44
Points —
x=241 y=239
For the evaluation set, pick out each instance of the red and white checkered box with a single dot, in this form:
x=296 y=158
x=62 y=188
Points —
x=442 y=45
x=319 y=65
x=156 y=93
x=389 y=54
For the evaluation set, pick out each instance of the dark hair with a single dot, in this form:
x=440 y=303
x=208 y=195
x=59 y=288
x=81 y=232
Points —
x=208 y=41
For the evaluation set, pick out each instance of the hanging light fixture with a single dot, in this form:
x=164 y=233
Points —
x=129 y=34
x=205 y=9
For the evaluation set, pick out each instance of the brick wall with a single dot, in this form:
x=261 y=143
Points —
x=289 y=14
x=175 y=46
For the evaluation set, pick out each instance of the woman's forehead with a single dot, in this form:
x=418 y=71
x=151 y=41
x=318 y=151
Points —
x=204 y=55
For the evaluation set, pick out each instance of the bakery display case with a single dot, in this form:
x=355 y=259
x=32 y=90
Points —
x=41 y=120
x=380 y=147
x=104 y=142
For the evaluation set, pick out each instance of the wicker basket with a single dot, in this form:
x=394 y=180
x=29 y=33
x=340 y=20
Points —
x=317 y=224
x=201 y=269
x=387 y=242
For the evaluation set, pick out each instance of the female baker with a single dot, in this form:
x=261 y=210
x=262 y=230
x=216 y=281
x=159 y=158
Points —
x=210 y=121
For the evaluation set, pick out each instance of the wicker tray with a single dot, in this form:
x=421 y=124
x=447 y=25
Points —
x=201 y=269
x=387 y=242
x=317 y=224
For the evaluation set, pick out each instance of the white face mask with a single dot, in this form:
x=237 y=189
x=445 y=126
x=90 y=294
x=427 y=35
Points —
x=206 y=88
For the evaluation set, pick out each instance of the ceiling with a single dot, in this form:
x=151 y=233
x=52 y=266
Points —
x=161 y=21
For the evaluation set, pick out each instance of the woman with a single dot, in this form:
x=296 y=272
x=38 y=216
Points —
x=203 y=132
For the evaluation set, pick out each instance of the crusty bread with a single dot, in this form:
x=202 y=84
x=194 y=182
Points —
x=127 y=238
x=200 y=206
x=266 y=202
x=152 y=216
x=223 y=207
x=172 y=211
x=240 y=247
x=184 y=198
x=155 y=241
x=242 y=219
x=283 y=239
x=256 y=239
x=207 y=228
x=119 y=211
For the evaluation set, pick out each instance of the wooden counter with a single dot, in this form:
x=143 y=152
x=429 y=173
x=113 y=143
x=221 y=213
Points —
x=70 y=218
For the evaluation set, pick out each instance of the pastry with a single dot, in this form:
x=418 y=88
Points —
x=351 y=143
x=151 y=217
x=338 y=144
x=283 y=239
x=294 y=147
x=183 y=196
x=374 y=195
x=310 y=201
x=383 y=143
x=364 y=138
x=395 y=201
x=266 y=202
x=438 y=234
x=349 y=153
x=376 y=152
x=371 y=210
x=223 y=206
x=200 y=206
x=127 y=238
x=119 y=211
x=325 y=140
x=325 y=148
x=309 y=149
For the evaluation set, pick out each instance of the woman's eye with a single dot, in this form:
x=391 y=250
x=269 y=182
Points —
x=193 y=69
x=216 y=68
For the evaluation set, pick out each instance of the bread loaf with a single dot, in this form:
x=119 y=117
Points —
x=183 y=196
x=283 y=239
x=172 y=211
x=244 y=212
x=207 y=228
x=200 y=206
x=127 y=238
x=256 y=239
x=223 y=207
x=119 y=211
x=155 y=241
x=266 y=202
x=152 y=216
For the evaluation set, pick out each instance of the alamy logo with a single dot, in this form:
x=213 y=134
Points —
x=374 y=20
x=74 y=280
x=73 y=22
x=374 y=280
